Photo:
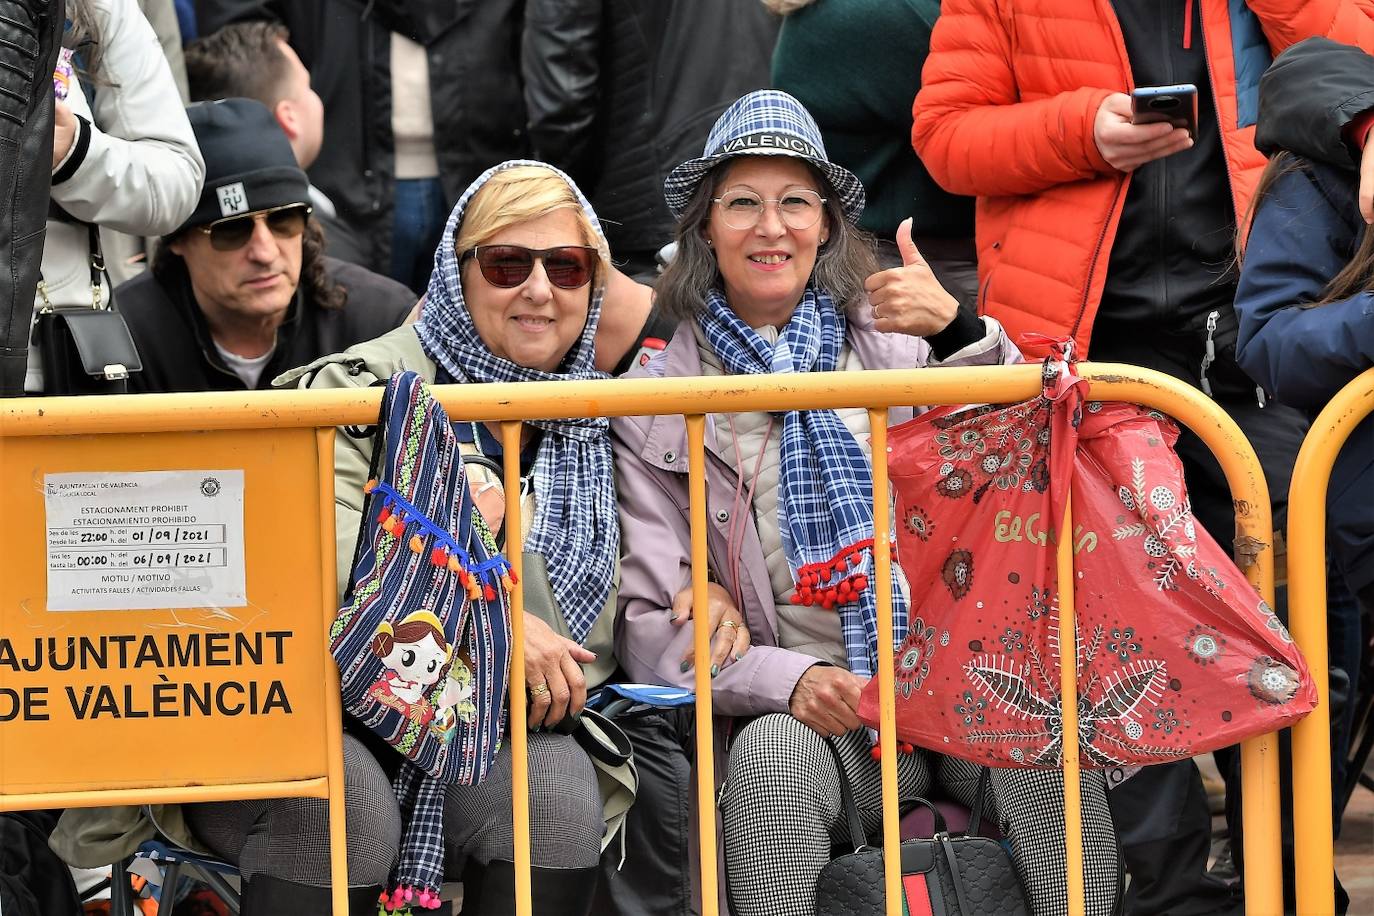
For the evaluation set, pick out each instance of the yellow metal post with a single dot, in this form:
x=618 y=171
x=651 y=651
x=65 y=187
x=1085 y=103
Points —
x=1312 y=828
x=1068 y=692
x=329 y=589
x=519 y=722
x=887 y=691
x=701 y=640
x=1254 y=532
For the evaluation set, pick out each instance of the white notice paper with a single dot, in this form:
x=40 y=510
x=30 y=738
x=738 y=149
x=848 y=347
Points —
x=142 y=540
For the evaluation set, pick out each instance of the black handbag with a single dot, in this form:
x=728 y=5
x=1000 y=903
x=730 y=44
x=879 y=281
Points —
x=85 y=349
x=947 y=875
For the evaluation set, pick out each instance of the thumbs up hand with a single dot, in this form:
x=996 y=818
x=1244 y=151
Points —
x=908 y=299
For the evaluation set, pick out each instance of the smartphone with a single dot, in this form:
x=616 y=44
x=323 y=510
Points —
x=1174 y=104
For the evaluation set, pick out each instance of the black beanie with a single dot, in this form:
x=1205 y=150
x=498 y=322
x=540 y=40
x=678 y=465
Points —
x=249 y=164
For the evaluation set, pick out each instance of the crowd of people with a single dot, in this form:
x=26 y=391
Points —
x=324 y=193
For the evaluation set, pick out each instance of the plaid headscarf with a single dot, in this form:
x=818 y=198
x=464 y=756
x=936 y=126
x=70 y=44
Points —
x=576 y=527
x=825 y=481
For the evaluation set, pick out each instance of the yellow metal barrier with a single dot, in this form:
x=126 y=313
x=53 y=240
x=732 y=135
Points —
x=1313 y=852
x=153 y=619
x=695 y=398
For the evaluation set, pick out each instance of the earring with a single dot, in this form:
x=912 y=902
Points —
x=709 y=243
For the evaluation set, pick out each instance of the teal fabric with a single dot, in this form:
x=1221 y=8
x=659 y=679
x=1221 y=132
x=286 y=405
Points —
x=856 y=66
x=1250 y=50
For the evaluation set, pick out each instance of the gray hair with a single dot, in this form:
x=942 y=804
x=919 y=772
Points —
x=843 y=263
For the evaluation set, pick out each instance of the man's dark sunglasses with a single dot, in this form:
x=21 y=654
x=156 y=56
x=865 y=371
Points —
x=232 y=233
x=506 y=266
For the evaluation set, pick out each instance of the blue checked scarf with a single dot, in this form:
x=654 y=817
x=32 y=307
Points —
x=825 y=479
x=421 y=801
x=576 y=528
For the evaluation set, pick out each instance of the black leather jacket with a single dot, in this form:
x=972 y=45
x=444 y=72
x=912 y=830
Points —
x=473 y=48
x=621 y=91
x=30 y=36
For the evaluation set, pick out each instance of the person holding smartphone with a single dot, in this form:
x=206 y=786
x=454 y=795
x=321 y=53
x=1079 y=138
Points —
x=1119 y=234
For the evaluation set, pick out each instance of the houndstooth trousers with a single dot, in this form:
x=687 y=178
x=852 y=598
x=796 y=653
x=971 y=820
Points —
x=288 y=838
x=780 y=808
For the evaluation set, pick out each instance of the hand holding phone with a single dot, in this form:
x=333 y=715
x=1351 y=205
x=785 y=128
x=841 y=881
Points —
x=1125 y=145
x=1176 y=105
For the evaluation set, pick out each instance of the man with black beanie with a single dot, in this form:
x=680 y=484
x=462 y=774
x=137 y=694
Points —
x=243 y=291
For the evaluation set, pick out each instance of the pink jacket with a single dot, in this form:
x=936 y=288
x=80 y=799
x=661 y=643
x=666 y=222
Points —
x=651 y=479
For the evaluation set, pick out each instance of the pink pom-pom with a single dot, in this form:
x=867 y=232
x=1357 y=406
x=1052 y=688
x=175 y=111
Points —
x=410 y=894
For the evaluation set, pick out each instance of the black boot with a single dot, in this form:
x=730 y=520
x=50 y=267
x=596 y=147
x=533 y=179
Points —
x=264 y=895
x=553 y=891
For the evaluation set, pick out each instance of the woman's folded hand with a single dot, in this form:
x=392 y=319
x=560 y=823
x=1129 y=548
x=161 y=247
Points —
x=729 y=635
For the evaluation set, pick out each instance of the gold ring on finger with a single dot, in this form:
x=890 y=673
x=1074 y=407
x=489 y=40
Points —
x=539 y=690
x=730 y=623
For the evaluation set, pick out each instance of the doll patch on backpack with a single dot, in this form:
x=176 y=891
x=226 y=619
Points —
x=416 y=656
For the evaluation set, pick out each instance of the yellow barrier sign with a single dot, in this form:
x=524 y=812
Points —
x=146 y=539
x=163 y=610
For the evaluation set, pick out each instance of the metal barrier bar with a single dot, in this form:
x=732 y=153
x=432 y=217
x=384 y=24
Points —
x=694 y=398
x=519 y=723
x=101 y=798
x=887 y=682
x=333 y=694
x=1312 y=827
x=522 y=401
x=1254 y=528
x=1068 y=709
x=701 y=643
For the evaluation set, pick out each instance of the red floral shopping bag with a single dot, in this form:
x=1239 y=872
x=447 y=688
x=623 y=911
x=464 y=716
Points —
x=1177 y=654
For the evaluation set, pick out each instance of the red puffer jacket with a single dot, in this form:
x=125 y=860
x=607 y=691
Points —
x=1009 y=96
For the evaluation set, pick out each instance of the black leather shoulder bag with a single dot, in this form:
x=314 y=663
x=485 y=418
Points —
x=85 y=349
x=947 y=875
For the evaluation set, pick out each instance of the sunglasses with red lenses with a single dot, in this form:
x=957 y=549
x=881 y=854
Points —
x=507 y=266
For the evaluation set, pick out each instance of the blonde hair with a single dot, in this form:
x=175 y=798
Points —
x=522 y=193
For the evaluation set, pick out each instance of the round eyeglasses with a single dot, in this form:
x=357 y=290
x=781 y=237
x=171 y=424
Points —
x=798 y=210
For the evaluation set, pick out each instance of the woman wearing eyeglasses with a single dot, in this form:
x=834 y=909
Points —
x=772 y=277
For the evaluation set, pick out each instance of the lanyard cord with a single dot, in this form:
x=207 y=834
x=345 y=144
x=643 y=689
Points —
x=734 y=539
